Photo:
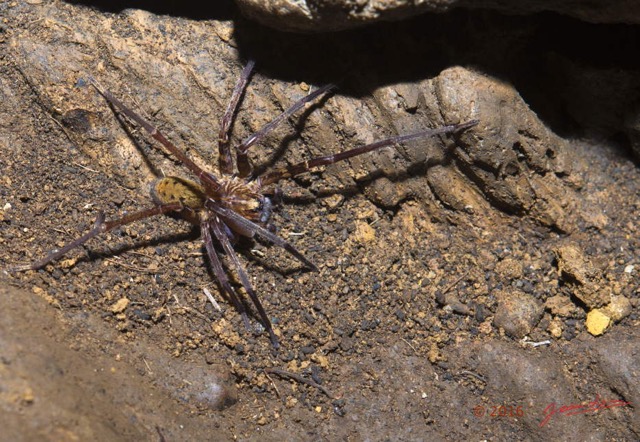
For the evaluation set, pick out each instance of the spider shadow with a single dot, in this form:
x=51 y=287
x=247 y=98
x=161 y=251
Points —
x=283 y=145
x=411 y=170
x=244 y=244
x=127 y=127
x=193 y=234
x=93 y=254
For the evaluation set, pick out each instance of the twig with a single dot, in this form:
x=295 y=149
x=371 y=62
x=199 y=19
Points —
x=211 y=299
x=272 y=383
x=83 y=167
x=147 y=365
x=525 y=340
x=411 y=346
x=297 y=377
x=455 y=283
x=475 y=375
x=129 y=266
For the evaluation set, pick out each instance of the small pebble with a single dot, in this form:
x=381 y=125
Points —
x=517 y=312
x=597 y=322
x=120 y=305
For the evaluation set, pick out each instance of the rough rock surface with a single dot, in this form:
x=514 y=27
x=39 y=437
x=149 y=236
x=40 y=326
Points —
x=414 y=243
x=331 y=15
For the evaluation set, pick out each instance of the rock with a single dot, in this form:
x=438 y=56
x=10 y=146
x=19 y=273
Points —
x=517 y=313
x=510 y=160
x=510 y=268
x=582 y=279
x=100 y=392
x=291 y=15
x=533 y=380
x=510 y=157
x=617 y=358
x=317 y=16
x=597 y=322
x=561 y=305
x=453 y=190
x=555 y=328
x=364 y=232
x=619 y=308
x=120 y=305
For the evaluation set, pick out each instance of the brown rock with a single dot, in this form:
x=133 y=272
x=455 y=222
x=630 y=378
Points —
x=517 y=313
x=510 y=268
x=619 y=308
x=331 y=15
x=581 y=277
x=561 y=305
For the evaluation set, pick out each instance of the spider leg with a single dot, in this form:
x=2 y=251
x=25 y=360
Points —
x=253 y=229
x=244 y=279
x=218 y=271
x=182 y=156
x=100 y=226
x=244 y=167
x=296 y=169
x=225 y=163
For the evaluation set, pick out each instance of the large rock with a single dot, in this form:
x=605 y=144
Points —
x=331 y=15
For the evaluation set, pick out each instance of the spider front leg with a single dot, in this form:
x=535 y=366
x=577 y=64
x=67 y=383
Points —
x=297 y=169
x=99 y=227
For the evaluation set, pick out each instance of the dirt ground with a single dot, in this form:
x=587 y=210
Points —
x=469 y=286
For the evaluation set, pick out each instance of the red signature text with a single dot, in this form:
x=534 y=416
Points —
x=571 y=410
x=498 y=411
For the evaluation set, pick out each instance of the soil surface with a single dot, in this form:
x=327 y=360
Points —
x=469 y=286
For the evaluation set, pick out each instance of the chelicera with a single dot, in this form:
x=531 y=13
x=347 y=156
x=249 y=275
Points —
x=232 y=203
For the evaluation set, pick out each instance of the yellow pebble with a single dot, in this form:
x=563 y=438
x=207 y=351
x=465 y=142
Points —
x=120 y=305
x=597 y=322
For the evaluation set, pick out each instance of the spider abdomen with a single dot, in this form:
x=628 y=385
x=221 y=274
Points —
x=172 y=189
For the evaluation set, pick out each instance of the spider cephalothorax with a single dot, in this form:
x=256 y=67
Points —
x=232 y=204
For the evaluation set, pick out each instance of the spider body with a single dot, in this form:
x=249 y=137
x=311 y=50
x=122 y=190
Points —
x=237 y=194
x=231 y=203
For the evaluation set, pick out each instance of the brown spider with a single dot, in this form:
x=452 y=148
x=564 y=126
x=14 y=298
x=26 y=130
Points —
x=232 y=204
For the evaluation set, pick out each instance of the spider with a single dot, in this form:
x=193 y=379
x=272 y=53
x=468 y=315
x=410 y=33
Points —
x=229 y=205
